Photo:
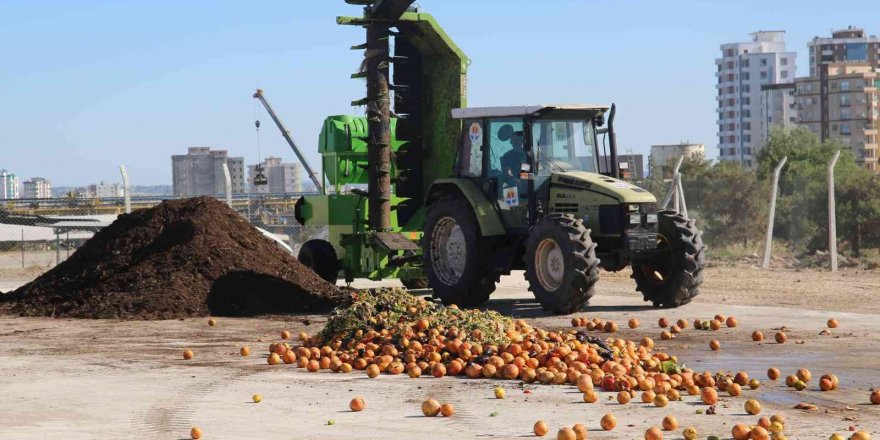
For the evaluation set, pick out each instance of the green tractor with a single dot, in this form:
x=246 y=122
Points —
x=458 y=196
x=526 y=193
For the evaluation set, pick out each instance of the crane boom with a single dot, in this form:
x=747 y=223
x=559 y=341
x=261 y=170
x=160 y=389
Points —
x=286 y=133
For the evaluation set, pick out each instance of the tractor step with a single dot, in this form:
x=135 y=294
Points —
x=395 y=241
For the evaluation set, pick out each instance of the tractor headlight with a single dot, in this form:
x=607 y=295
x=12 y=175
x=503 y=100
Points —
x=651 y=218
x=635 y=219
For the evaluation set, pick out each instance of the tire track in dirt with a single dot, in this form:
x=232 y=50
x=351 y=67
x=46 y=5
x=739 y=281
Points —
x=172 y=416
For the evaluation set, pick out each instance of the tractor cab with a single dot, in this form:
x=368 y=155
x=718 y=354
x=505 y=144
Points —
x=516 y=154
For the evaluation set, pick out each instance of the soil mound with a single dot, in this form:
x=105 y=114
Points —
x=188 y=257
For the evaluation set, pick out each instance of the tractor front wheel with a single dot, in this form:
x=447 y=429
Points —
x=456 y=255
x=561 y=264
x=671 y=277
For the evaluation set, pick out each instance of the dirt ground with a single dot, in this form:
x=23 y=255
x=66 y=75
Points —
x=86 y=379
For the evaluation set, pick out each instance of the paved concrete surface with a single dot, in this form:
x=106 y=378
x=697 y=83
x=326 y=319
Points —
x=90 y=379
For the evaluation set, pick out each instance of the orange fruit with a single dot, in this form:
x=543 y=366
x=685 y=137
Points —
x=608 y=422
x=373 y=371
x=653 y=433
x=446 y=410
x=773 y=373
x=875 y=397
x=759 y=433
x=212 y=322
x=566 y=434
x=430 y=408
x=245 y=351
x=714 y=345
x=540 y=429
x=274 y=359
x=709 y=396
x=623 y=397
x=580 y=431
x=740 y=432
x=188 y=354
x=752 y=407
x=633 y=323
x=832 y=323
x=195 y=432
x=757 y=336
x=357 y=404
x=780 y=337
x=285 y=334
x=804 y=375
x=670 y=423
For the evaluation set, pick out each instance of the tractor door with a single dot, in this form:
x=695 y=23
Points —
x=506 y=156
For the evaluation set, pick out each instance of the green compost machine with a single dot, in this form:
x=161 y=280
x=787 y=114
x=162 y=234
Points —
x=440 y=195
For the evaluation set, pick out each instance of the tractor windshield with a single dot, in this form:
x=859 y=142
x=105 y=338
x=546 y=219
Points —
x=564 y=145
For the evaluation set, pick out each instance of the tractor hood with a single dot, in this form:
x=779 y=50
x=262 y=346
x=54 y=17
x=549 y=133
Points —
x=617 y=189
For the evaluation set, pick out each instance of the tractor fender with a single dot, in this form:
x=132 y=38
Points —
x=484 y=209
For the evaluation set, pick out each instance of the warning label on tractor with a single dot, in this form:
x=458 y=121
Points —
x=511 y=196
x=476 y=134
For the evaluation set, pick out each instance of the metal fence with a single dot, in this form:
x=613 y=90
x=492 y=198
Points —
x=787 y=219
x=37 y=234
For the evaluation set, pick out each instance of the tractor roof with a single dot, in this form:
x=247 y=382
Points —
x=524 y=110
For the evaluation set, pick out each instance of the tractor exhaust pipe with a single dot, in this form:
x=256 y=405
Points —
x=612 y=143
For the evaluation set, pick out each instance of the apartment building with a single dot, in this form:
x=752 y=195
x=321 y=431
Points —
x=283 y=178
x=845 y=45
x=200 y=172
x=742 y=70
x=8 y=185
x=841 y=103
x=37 y=188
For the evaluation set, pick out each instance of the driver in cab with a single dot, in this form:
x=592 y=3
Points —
x=512 y=160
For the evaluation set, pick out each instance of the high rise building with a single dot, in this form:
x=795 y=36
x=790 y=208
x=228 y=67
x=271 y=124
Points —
x=742 y=69
x=200 y=172
x=37 y=188
x=282 y=177
x=778 y=107
x=845 y=45
x=841 y=103
x=8 y=185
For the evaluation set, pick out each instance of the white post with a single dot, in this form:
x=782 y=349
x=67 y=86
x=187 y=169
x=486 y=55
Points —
x=673 y=190
x=832 y=214
x=126 y=190
x=684 y=208
x=768 y=242
x=228 y=180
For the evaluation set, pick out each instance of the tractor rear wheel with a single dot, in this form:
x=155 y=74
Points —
x=561 y=264
x=319 y=256
x=672 y=276
x=456 y=255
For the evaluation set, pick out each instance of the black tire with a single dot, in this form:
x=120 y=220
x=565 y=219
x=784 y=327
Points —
x=319 y=256
x=565 y=239
x=680 y=263
x=415 y=283
x=470 y=283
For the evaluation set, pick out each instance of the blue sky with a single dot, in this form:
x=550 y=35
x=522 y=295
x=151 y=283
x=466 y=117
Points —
x=88 y=85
